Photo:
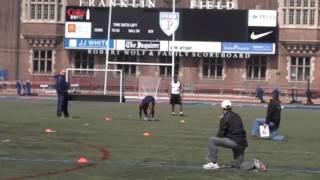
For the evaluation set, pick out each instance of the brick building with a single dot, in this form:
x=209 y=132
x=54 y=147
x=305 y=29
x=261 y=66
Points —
x=32 y=33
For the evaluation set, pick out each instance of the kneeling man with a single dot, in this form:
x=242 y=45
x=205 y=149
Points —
x=231 y=135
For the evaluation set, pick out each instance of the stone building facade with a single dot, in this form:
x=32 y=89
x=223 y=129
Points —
x=32 y=33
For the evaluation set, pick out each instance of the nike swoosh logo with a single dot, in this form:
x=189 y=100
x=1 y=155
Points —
x=254 y=36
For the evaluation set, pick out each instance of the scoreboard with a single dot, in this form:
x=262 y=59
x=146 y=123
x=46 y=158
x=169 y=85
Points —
x=232 y=31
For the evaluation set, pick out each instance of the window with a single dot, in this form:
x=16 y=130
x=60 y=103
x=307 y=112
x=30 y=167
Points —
x=83 y=61
x=212 y=68
x=284 y=16
x=167 y=70
x=298 y=3
x=291 y=3
x=305 y=16
x=299 y=12
x=256 y=68
x=299 y=68
x=291 y=15
x=42 y=61
x=312 y=14
x=298 y=16
x=129 y=70
x=43 y=10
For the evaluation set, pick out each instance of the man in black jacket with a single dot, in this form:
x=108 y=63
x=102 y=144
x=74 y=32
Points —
x=62 y=87
x=231 y=135
x=273 y=114
x=272 y=120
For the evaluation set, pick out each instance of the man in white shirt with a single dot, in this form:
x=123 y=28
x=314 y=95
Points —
x=175 y=98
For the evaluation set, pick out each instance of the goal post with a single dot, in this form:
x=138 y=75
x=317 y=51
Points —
x=91 y=81
x=148 y=86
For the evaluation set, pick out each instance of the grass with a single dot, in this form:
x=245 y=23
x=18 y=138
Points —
x=173 y=151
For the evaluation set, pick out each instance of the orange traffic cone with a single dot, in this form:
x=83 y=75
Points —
x=48 y=130
x=83 y=160
x=146 y=134
x=108 y=118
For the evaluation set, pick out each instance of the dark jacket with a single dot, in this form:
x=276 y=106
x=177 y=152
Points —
x=61 y=85
x=231 y=127
x=273 y=115
x=147 y=100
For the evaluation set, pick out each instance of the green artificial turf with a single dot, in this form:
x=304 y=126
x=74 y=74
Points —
x=174 y=150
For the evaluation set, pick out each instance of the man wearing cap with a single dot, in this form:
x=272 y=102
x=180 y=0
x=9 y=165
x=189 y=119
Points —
x=231 y=135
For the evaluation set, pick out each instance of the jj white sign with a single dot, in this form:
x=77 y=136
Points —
x=78 y=30
x=195 y=46
x=262 y=18
x=84 y=43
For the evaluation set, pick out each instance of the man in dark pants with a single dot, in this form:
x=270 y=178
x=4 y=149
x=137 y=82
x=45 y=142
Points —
x=62 y=94
x=259 y=94
x=231 y=135
x=147 y=106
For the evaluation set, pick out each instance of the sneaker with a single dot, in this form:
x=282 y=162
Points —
x=181 y=113
x=259 y=165
x=211 y=166
x=145 y=118
x=173 y=113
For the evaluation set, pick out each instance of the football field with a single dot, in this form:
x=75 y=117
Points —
x=118 y=150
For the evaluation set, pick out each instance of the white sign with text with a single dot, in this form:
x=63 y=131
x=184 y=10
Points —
x=262 y=18
x=195 y=46
x=78 y=30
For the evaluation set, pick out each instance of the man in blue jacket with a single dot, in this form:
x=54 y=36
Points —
x=147 y=107
x=62 y=94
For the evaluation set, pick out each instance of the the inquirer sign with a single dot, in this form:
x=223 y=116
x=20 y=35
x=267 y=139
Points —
x=151 y=29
